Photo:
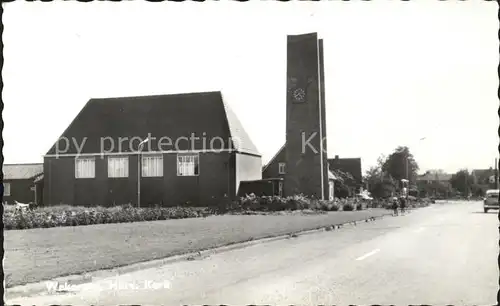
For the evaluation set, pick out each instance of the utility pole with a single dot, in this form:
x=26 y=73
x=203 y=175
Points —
x=407 y=174
x=141 y=145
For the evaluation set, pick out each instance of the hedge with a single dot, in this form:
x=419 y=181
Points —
x=66 y=215
x=76 y=215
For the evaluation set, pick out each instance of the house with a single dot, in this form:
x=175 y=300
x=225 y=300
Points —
x=23 y=183
x=351 y=167
x=276 y=166
x=427 y=182
x=484 y=178
x=435 y=176
x=275 y=172
x=180 y=149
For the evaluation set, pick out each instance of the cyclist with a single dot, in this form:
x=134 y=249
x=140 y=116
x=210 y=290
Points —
x=402 y=202
x=395 y=205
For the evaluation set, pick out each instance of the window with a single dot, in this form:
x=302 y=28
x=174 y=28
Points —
x=117 y=166
x=85 y=167
x=280 y=189
x=6 y=189
x=281 y=168
x=152 y=166
x=332 y=190
x=188 y=164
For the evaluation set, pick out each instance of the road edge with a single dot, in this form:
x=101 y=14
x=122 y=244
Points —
x=31 y=289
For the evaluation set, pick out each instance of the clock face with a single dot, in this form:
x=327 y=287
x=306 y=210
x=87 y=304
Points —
x=299 y=95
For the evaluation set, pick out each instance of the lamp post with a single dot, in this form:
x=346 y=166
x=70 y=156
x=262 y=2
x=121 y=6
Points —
x=141 y=146
x=407 y=170
x=466 y=188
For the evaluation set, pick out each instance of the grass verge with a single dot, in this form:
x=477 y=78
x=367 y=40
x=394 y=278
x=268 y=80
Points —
x=34 y=255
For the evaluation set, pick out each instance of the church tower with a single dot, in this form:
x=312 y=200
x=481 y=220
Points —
x=305 y=150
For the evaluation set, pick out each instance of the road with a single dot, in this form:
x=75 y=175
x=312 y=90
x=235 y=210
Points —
x=443 y=254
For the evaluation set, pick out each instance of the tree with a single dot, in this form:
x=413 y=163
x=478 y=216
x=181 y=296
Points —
x=463 y=182
x=341 y=190
x=401 y=165
x=384 y=188
x=380 y=183
x=341 y=186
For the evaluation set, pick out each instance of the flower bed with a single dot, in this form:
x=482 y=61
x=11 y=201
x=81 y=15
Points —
x=297 y=202
x=66 y=215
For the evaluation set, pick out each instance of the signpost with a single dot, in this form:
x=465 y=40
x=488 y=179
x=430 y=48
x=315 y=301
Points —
x=405 y=188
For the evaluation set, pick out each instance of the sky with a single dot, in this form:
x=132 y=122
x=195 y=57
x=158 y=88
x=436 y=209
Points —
x=395 y=72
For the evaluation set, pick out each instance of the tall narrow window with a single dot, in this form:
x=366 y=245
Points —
x=85 y=167
x=152 y=165
x=6 y=189
x=188 y=164
x=117 y=166
x=281 y=168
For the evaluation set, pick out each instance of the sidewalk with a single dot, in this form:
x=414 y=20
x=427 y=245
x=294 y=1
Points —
x=42 y=254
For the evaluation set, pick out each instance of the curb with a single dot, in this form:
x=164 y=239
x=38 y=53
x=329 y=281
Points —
x=78 y=279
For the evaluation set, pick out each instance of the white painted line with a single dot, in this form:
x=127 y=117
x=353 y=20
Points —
x=368 y=254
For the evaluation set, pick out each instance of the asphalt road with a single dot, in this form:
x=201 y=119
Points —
x=443 y=254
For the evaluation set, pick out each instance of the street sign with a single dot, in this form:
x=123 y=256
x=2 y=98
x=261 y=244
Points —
x=33 y=188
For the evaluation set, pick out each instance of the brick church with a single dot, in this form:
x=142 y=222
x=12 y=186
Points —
x=301 y=165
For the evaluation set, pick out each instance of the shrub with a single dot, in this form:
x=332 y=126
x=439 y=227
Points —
x=249 y=202
x=359 y=206
x=298 y=202
x=348 y=207
x=321 y=205
x=327 y=205
x=65 y=215
x=334 y=207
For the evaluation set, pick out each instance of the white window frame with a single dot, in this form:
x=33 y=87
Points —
x=148 y=162
x=89 y=163
x=281 y=168
x=6 y=189
x=118 y=166
x=188 y=164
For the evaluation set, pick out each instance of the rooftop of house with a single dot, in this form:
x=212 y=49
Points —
x=274 y=157
x=348 y=165
x=21 y=171
x=176 y=122
x=483 y=172
x=332 y=176
x=430 y=176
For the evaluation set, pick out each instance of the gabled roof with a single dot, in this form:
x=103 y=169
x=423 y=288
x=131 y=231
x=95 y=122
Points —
x=274 y=157
x=483 y=172
x=442 y=177
x=21 y=171
x=332 y=176
x=38 y=178
x=347 y=165
x=240 y=138
x=192 y=120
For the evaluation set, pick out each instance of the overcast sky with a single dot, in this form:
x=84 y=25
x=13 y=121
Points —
x=395 y=72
